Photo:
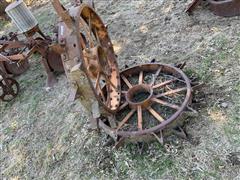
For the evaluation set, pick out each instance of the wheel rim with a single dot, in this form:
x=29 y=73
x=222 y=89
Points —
x=161 y=102
x=100 y=63
x=8 y=90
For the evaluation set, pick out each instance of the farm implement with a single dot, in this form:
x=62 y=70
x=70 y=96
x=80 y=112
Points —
x=14 y=53
x=138 y=104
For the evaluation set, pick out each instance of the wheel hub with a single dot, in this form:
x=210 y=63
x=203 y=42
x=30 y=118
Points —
x=139 y=96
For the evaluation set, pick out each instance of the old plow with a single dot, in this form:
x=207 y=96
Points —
x=14 y=53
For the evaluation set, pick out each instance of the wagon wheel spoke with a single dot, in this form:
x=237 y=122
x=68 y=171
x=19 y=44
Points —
x=126 y=81
x=102 y=95
x=170 y=89
x=123 y=106
x=1 y=90
x=140 y=118
x=11 y=91
x=160 y=85
x=176 y=77
x=155 y=114
x=98 y=88
x=140 y=79
x=90 y=24
x=155 y=76
x=127 y=117
x=97 y=80
x=83 y=43
x=10 y=87
x=171 y=92
x=173 y=106
x=10 y=82
x=124 y=92
x=88 y=33
x=109 y=82
x=95 y=32
x=92 y=30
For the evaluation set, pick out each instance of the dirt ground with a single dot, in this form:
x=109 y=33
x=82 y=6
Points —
x=44 y=136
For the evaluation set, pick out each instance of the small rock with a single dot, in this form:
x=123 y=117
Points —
x=48 y=89
x=224 y=105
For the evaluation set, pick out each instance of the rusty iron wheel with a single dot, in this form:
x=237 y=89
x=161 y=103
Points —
x=153 y=96
x=99 y=59
x=9 y=89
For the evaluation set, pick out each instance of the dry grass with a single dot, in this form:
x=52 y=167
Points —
x=43 y=136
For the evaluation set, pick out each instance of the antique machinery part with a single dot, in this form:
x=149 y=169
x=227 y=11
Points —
x=16 y=68
x=226 y=8
x=52 y=56
x=28 y=25
x=51 y=59
x=9 y=88
x=33 y=45
x=21 y=16
x=154 y=97
x=10 y=46
x=23 y=19
x=54 y=61
x=85 y=40
x=161 y=91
